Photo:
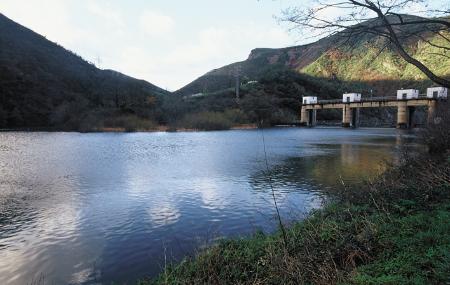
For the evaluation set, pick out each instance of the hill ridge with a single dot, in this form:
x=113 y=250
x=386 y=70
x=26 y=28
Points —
x=328 y=57
x=41 y=83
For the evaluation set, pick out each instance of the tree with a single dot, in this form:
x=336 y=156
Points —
x=3 y=117
x=260 y=107
x=382 y=18
x=16 y=118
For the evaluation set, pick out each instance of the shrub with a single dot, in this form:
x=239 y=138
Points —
x=129 y=123
x=3 y=118
x=374 y=241
x=437 y=133
x=237 y=116
x=391 y=231
x=97 y=121
x=206 y=121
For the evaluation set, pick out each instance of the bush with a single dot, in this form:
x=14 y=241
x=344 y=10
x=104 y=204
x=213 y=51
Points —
x=437 y=133
x=129 y=123
x=375 y=241
x=390 y=231
x=236 y=116
x=3 y=118
x=206 y=121
x=97 y=121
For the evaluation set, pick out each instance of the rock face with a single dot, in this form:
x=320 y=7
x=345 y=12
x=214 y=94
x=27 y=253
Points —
x=40 y=81
x=358 y=59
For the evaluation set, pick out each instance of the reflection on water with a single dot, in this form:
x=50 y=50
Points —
x=352 y=163
x=96 y=208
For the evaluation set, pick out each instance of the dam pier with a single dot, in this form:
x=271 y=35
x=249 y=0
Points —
x=405 y=102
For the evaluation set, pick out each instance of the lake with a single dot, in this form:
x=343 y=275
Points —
x=102 y=207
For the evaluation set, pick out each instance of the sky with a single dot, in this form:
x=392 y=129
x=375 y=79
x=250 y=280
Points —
x=166 y=42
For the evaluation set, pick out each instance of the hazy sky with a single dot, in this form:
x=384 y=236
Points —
x=166 y=42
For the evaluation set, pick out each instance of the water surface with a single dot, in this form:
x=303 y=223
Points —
x=96 y=208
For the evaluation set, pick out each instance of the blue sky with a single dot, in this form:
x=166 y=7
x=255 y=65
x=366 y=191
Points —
x=168 y=43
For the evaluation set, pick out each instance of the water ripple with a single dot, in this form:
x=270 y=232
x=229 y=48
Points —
x=96 y=208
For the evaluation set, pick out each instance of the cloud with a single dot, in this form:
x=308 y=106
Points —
x=164 y=215
x=107 y=13
x=50 y=18
x=150 y=46
x=155 y=23
x=186 y=60
x=225 y=44
x=214 y=47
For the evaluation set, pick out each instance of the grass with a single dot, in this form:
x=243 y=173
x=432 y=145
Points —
x=210 y=121
x=117 y=122
x=393 y=231
x=129 y=123
x=415 y=249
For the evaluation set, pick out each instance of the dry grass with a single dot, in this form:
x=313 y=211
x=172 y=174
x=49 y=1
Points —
x=335 y=245
x=391 y=231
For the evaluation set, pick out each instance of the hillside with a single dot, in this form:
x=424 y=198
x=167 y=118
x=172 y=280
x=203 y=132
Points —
x=43 y=85
x=358 y=60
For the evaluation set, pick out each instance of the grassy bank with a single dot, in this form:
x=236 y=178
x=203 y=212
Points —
x=392 y=231
x=398 y=234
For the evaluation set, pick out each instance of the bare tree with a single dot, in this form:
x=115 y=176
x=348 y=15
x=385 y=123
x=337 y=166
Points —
x=381 y=18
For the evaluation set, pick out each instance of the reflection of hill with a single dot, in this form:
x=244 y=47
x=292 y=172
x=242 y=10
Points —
x=350 y=162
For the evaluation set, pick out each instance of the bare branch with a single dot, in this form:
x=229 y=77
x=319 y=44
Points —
x=438 y=54
x=429 y=42
x=380 y=18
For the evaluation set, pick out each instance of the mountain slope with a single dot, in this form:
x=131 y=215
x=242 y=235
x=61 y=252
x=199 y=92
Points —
x=44 y=85
x=357 y=60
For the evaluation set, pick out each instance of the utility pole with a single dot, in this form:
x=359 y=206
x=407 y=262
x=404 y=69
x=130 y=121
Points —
x=98 y=60
x=237 y=74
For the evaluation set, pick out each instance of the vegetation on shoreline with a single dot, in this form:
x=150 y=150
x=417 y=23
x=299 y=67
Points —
x=392 y=231
x=209 y=120
x=44 y=86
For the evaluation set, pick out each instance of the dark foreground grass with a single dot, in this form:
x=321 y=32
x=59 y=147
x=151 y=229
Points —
x=394 y=231
x=413 y=249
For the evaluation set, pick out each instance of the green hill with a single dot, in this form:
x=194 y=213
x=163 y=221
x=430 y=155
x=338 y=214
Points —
x=44 y=86
x=333 y=57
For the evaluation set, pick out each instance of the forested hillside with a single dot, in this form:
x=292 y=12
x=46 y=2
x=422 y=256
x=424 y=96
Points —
x=43 y=85
x=363 y=58
x=273 y=80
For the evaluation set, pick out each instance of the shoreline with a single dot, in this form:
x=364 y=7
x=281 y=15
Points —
x=379 y=233
x=174 y=130
x=123 y=130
